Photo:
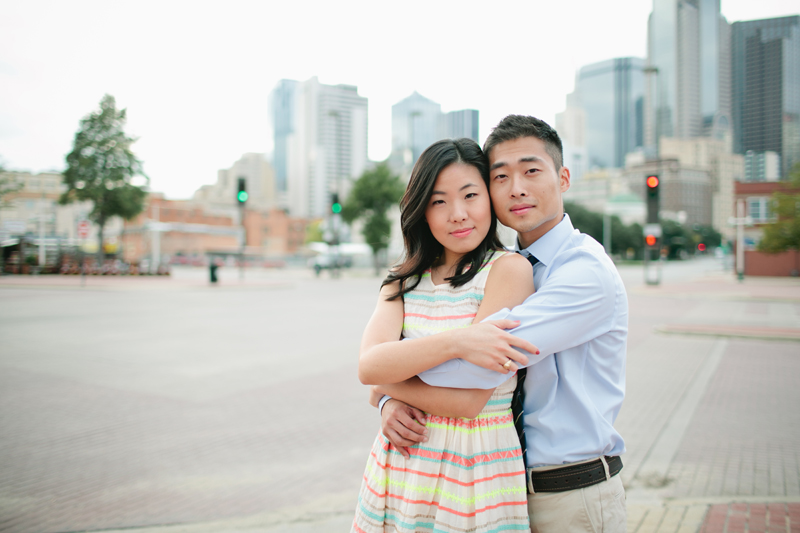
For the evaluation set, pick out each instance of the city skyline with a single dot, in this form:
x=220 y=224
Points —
x=196 y=83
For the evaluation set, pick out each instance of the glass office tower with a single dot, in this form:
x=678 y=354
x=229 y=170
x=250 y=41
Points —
x=611 y=95
x=766 y=88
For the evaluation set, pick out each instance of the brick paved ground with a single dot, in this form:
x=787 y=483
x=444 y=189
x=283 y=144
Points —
x=753 y=518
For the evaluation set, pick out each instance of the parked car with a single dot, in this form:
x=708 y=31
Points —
x=329 y=261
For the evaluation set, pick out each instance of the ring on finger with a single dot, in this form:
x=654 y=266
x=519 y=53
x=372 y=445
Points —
x=507 y=364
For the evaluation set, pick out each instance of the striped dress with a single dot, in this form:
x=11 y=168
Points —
x=470 y=475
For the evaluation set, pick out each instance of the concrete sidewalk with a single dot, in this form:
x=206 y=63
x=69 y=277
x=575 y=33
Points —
x=192 y=429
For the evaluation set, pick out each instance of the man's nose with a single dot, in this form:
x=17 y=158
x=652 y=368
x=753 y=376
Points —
x=517 y=188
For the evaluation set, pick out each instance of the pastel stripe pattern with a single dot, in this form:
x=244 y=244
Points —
x=470 y=475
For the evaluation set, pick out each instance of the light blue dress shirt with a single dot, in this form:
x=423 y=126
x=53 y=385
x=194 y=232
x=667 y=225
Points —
x=578 y=318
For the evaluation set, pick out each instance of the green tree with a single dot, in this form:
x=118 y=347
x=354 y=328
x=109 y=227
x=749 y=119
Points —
x=371 y=197
x=623 y=237
x=784 y=233
x=101 y=166
x=7 y=185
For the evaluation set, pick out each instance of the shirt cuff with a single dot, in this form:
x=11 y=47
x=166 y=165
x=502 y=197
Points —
x=382 y=403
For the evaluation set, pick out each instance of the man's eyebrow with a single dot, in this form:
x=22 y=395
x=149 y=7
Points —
x=526 y=159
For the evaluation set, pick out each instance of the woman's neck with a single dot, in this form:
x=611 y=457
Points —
x=445 y=266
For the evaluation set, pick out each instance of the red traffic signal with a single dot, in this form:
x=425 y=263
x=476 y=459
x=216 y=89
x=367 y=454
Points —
x=652 y=181
x=701 y=247
x=650 y=240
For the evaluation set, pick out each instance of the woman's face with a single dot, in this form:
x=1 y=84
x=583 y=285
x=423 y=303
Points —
x=459 y=211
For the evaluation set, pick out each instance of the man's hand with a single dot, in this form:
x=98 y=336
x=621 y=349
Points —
x=488 y=345
x=403 y=425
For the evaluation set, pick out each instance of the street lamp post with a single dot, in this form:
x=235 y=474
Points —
x=656 y=107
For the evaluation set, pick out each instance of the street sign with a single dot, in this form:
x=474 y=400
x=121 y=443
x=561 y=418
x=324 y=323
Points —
x=83 y=229
x=652 y=229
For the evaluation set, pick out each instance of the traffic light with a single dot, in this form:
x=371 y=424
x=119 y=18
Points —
x=652 y=186
x=241 y=192
x=336 y=207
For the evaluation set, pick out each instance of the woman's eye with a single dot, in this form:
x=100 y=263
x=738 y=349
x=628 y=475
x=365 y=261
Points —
x=437 y=202
x=471 y=195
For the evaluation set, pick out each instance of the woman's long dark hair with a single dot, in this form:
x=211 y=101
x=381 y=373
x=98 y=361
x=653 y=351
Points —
x=421 y=248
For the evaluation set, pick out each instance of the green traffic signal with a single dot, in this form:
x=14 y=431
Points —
x=336 y=208
x=242 y=196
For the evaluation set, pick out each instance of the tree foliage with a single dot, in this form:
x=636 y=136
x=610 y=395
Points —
x=7 y=185
x=623 y=238
x=679 y=239
x=373 y=194
x=101 y=166
x=784 y=233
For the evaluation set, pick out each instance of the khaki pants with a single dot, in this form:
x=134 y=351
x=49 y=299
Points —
x=595 y=509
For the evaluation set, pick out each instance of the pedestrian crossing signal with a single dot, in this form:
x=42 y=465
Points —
x=336 y=207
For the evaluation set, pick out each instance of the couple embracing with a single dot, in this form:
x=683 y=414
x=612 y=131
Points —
x=468 y=340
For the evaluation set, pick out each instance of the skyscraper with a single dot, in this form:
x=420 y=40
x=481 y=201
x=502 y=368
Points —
x=610 y=95
x=282 y=111
x=688 y=75
x=766 y=88
x=418 y=122
x=320 y=141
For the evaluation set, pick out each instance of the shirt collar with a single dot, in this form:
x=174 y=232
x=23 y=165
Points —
x=545 y=247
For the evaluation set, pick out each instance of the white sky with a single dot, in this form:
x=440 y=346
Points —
x=195 y=76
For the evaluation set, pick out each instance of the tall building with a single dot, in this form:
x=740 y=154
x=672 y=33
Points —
x=766 y=88
x=418 y=122
x=282 y=109
x=762 y=166
x=460 y=124
x=321 y=134
x=610 y=97
x=688 y=75
x=723 y=167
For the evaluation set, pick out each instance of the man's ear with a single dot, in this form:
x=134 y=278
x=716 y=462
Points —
x=564 y=178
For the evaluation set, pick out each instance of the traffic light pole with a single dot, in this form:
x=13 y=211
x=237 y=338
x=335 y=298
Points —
x=244 y=241
x=652 y=232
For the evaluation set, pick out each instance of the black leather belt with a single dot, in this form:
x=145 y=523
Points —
x=574 y=476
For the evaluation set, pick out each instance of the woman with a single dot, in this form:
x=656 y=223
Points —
x=469 y=475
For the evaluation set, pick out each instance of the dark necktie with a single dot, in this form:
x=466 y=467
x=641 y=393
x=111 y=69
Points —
x=518 y=399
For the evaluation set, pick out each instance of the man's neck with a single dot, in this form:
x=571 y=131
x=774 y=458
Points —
x=530 y=237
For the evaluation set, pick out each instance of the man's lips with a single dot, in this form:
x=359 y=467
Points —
x=520 y=209
x=461 y=232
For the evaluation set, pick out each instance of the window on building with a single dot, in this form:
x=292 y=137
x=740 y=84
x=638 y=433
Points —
x=759 y=209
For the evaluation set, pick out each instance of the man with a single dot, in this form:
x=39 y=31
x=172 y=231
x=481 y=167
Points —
x=578 y=320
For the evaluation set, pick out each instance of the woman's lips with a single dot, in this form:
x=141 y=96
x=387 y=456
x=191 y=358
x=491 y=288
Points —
x=461 y=232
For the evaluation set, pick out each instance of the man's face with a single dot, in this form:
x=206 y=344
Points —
x=526 y=188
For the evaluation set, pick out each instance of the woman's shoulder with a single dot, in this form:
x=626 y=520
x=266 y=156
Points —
x=506 y=264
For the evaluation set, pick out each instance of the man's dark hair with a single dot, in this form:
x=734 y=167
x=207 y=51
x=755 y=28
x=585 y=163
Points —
x=518 y=126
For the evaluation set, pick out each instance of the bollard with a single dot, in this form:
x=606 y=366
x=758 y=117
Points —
x=212 y=271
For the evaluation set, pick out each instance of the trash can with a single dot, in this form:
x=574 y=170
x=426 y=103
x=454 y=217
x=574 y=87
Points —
x=212 y=271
